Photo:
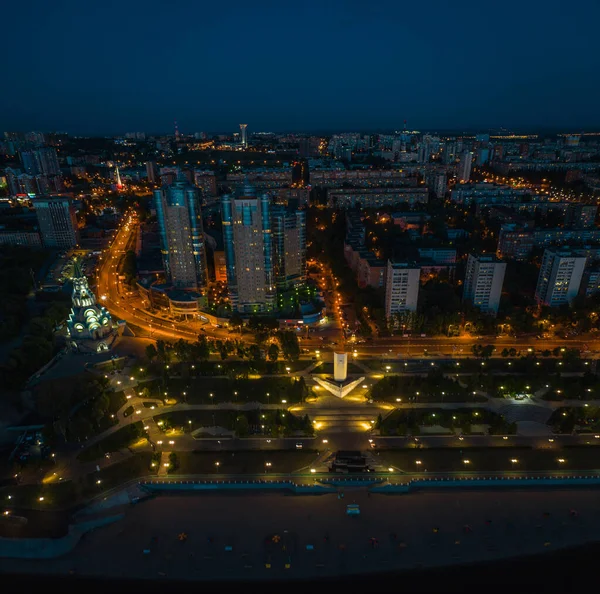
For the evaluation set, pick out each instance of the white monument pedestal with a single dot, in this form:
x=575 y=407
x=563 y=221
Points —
x=340 y=367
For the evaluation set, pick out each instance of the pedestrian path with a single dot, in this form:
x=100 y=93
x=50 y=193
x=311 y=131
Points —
x=164 y=464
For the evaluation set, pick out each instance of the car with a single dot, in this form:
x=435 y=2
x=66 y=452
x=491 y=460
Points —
x=299 y=445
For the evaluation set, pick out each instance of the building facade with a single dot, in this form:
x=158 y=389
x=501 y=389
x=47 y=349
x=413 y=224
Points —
x=248 y=246
x=560 y=277
x=483 y=282
x=464 y=166
x=182 y=238
x=289 y=246
x=57 y=221
x=24 y=238
x=401 y=287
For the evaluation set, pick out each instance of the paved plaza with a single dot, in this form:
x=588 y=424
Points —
x=231 y=536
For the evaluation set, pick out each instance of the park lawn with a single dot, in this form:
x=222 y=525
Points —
x=117 y=401
x=584 y=458
x=121 y=439
x=199 y=390
x=114 y=475
x=434 y=387
x=63 y=495
x=244 y=462
x=260 y=422
x=199 y=418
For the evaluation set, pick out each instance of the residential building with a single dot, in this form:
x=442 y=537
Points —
x=483 y=282
x=514 y=242
x=375 y=197
x=206 y=183
x=560 y=277
x=464 y=166
x=488 y=193
x=287 y=195
x=182 y=238
x=248 y=245
x=288 y=227
x=582 y=216
x=300 y=174
x=590 y=284
x=152 y=171
x=401 y=287
x=24 y=238
x=41 y=161
x=220 y=266
x=438 y=255
x=57 y=221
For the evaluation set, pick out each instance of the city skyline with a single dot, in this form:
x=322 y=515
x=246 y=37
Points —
x=331 y=66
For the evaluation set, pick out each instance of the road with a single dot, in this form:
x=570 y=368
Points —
x=113 y=295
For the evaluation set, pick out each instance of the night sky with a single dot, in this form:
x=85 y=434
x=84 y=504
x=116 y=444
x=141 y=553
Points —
x=110 y=67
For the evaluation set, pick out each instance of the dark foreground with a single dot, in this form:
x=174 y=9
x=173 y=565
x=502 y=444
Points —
x=413 y=532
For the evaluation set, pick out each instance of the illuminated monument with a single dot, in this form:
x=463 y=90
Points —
x=89 y=326
x=340 y=385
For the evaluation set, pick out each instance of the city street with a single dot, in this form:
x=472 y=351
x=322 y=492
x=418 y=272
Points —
x=111 y=294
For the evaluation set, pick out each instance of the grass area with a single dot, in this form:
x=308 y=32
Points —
x=240 y=369
x=117 y=401
x=266 y=390
x=434 y=387
x=567 y=419
x=244 y=462
x=273 y=423
x=123 y=438
x=128 y=411
x=492 y=459
x=69 y=493
x=327 y=367
x=524 y=364
x=460 y=420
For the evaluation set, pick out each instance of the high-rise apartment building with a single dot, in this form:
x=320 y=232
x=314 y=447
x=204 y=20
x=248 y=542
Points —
x=57 y=221
x=483 y=282
x=560 y=277
x=449 y=152
x=300 y=174
x=181 y=234
x=151 y=171
x=401 y=287
x=464 y=166
x=41 y=161
x=248 y=246
x=289 y=245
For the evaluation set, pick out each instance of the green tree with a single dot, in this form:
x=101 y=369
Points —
x=201 y=349
x=163 y=350
x=151 y=352
x=236 y=322
x=182 y=350
x=289 y=345
x=242 y=427
x=273 y=352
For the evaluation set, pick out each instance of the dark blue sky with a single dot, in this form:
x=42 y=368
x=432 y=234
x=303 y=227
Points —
x=116 y=66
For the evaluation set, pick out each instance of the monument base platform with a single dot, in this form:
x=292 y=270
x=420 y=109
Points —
x=339 y=389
